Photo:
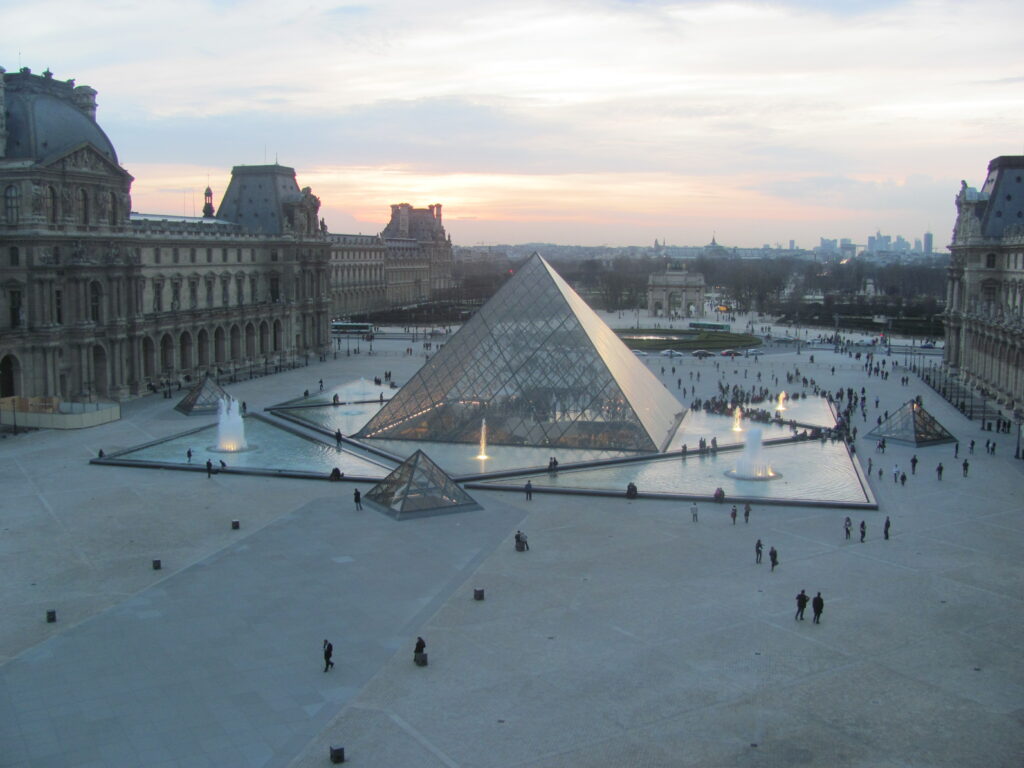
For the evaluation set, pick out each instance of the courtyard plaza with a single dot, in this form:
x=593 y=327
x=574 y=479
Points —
x=626 y=634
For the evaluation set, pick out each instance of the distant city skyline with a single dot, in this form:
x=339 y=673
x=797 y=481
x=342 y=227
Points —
x=593 y=122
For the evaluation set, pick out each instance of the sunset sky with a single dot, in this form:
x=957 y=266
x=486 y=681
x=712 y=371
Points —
x=599 y=122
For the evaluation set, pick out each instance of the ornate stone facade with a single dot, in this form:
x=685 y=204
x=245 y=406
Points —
x=96 y=301
x=985 y=293
x=675 y=293
x=358 y=282
x=418 y=267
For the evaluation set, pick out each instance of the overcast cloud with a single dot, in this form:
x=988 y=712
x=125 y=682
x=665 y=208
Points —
x=580 y=122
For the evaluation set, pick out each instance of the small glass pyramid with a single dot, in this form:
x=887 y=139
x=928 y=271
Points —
x=543 y=369
x=912 y=424
x=204 y=397
x=418 y=487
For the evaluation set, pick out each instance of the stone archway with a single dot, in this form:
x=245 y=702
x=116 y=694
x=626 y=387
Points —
x=185 y=351
x=10 y=376
x=278 y=336
x=148 y=357
x=264 y=337
x=250 y=341
x=236 y=343
x=166 y=353
x=100 y=381
x=203 y=347
x=219 y=349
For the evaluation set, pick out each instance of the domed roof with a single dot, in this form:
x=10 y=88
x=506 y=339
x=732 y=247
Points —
x=43 y=120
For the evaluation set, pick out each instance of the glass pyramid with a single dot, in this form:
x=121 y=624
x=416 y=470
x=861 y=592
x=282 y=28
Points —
x=419 y=486
x=543 y=369
x=204 y=397
x=912 y=424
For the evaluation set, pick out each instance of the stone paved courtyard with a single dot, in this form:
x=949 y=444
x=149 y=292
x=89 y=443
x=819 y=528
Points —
x=627 y=635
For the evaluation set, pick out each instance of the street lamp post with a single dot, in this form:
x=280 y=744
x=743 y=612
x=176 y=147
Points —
x=1018 y=417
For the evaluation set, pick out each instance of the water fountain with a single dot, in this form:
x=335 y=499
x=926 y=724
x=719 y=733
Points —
x=751 y=465
x=737 y=415
x=230 y=427
x=782 y=401
x=483 y=440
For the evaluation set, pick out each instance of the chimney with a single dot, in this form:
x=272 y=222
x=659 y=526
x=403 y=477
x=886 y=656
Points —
x=437 y=212
x=84 y=98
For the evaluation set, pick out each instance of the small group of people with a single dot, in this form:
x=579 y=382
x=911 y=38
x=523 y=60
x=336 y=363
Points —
x=817 y=606
x=848 y=528
x=773 y=554
x=522 y=544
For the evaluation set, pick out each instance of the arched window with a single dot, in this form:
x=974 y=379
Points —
x=50 y=205
x=82 y=207
x=12 y=204
x=95 y=299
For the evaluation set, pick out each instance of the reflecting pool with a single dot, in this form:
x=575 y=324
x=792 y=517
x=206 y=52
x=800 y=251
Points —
x=811 y=471
x=273 y=449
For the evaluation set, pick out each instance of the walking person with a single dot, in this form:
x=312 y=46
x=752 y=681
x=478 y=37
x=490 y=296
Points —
x=903 y=478
x=956 y=450
x=337 y=439
x=209 y=468
x=966 y=467
x=188 y=454
x=758 y=548
x=357 y=497
x=732 y=514
x=529 y=490
x=693 y=511
x=885 y=528
x=817 y=605
x=847 y=526
x=863 y=530
x=773 y=558
x=938 y=471
x=746 y=512
x=913 y=464
x=419 y=654
x=801 y=603
x=328 y=653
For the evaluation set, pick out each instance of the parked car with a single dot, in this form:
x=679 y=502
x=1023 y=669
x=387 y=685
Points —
x=702 y=353
x=639 y=353
x=754 y=352
x=928 y=345
x=672 y=353
x=729 y=353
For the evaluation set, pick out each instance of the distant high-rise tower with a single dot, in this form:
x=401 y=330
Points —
x=928 y=241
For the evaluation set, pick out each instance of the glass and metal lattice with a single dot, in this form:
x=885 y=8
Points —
x=912 y=424
x=419 y=486
x=543 y=369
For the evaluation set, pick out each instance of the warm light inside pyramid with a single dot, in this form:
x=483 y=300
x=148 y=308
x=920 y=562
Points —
x=542 y=369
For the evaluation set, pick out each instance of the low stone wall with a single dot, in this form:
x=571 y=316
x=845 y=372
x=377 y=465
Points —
x=51 y=413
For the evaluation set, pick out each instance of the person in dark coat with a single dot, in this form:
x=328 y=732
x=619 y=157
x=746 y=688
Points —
x=328 y=652
x=209 y=468
x=938 y=471
x=885 y=528
x=817 y=605
x=421 y=646
x=801 y=603
x=758 y=548
x=773 y=557
x=863 y=530
x=358 y=498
